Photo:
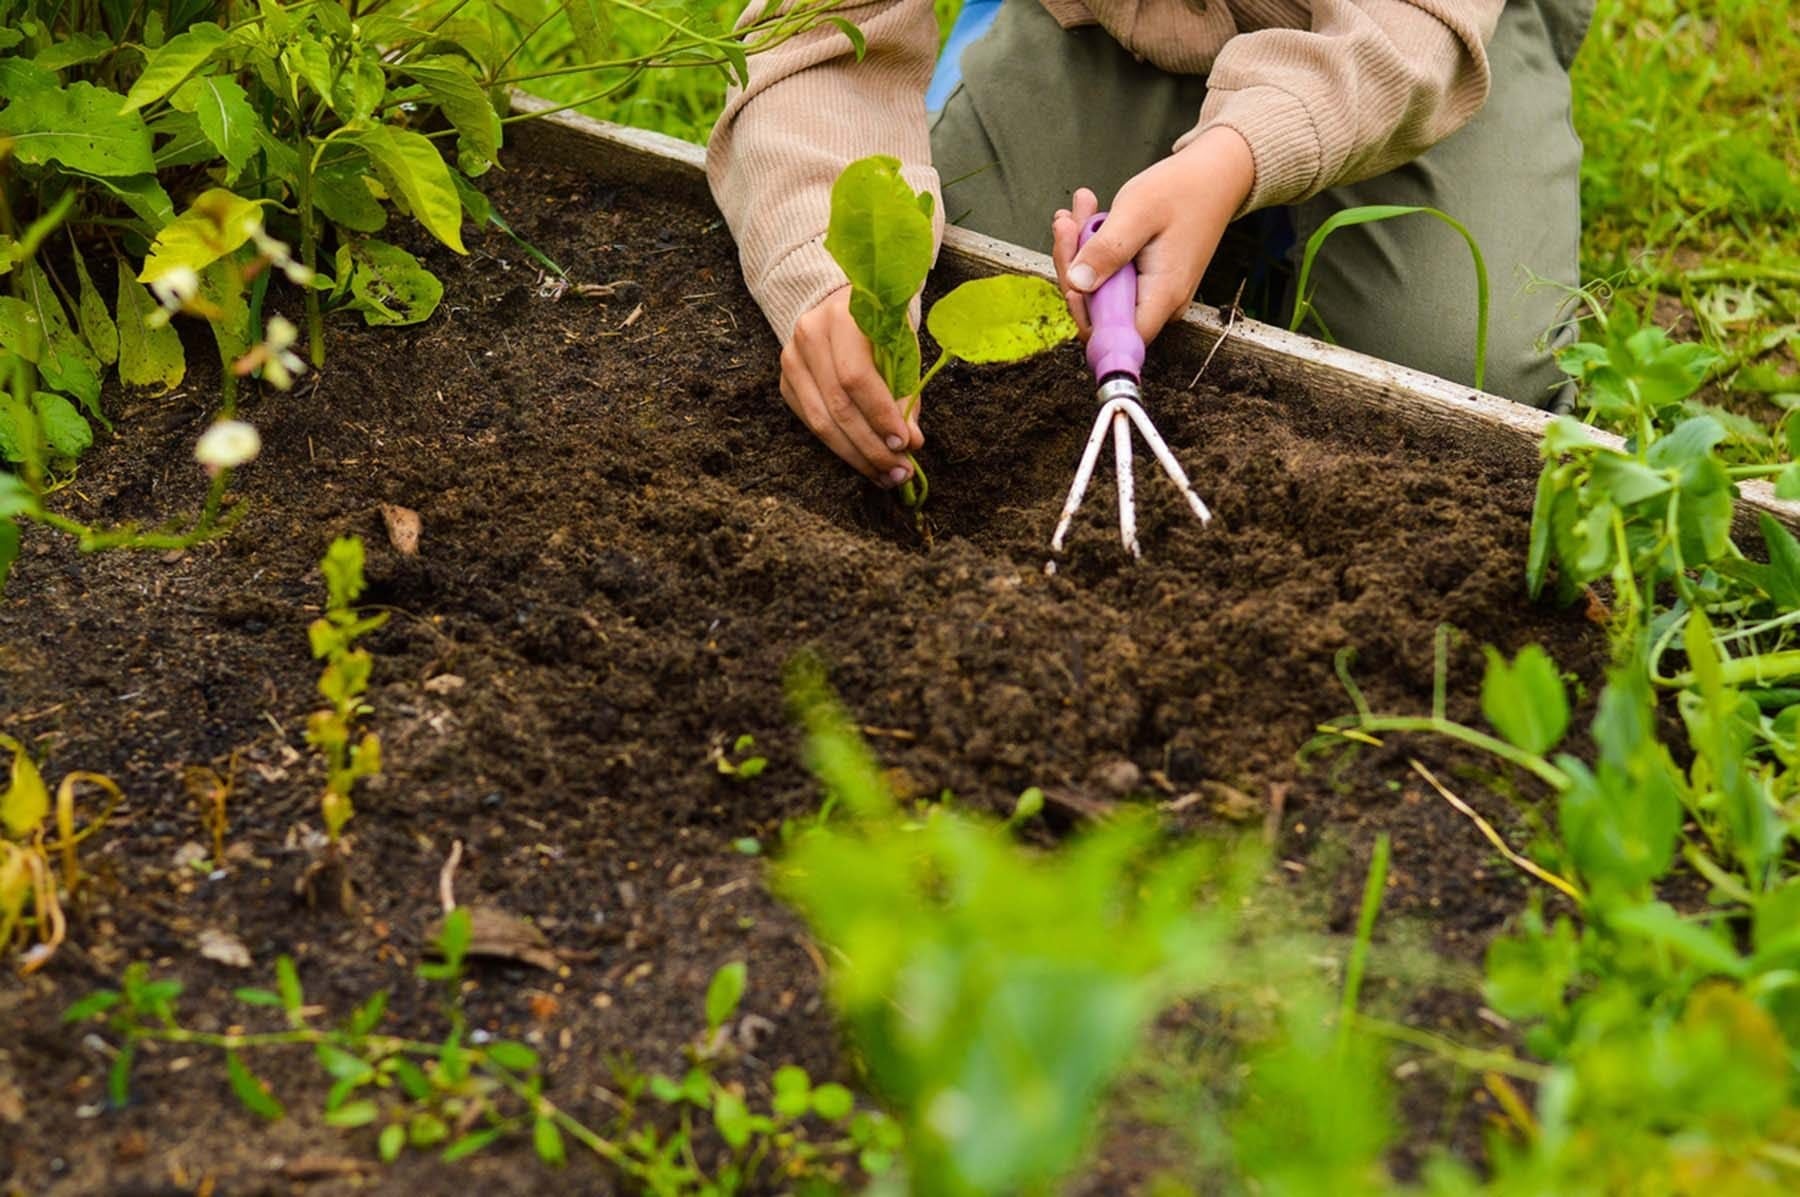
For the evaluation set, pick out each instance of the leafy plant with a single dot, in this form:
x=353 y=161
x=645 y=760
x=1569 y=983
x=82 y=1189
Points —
x=747 y=766
x=349 y=757
x=460 y=1096
x=881 y=236
x=27 y=876
x=992 y=994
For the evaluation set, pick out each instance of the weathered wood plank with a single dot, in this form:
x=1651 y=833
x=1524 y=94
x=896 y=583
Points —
x=1481 y=427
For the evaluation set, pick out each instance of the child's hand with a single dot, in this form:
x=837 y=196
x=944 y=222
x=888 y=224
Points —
x=828 y=378
x=1169 y=218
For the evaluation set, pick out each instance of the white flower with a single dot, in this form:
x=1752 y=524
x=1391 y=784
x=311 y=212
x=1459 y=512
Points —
x=228 y=443
x=282 y=364
x=174 y=290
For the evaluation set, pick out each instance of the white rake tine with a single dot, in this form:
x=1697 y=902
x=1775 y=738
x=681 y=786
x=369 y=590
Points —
x=1121 y=426
x=1083 y=473
x=1170 y=466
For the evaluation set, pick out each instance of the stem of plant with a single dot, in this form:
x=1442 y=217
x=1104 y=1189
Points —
x=1537 y=766
x=309 y=252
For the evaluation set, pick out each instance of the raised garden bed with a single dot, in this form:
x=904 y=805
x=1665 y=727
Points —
x=625 y=540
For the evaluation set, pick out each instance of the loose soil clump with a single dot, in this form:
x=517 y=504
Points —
x=625 y=538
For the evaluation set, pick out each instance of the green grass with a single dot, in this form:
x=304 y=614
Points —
x=1691 y=181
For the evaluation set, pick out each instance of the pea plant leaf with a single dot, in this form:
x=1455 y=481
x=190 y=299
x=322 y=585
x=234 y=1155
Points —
x=148 y=357
x=411 y=168
x=1006 y=318
x=1525 y=700
x=170 y=64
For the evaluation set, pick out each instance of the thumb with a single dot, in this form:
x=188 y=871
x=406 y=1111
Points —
x=1115 y=243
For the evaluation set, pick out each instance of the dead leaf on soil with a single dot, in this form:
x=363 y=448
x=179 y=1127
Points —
x=224 y=947
x=403 y=528
x=443 y=683
x=12 y=1103
x=502 y=936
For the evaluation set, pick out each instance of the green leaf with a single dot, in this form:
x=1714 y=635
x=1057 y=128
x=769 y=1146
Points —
x=142 y=194
x=16 y=498
x=21 y=76
x=352 y=1114
x=732 y=1118
x=215 y=224
x=118 y=1077
x=390 y=286
x=413 y=1081
x=426 y=1129
x=308 y=58
x=223 y=110
x=1006 y=318
x=392 y=1142
x=515 y=1057
x=26 y=800
x=466 y=105
x=9 y=546
x=344 y=1065
x=469 y=1144
x=251 y=1091
x=1658 y=922
x=148 y=357
x=368 y=1015
x=74 y=50
x=80 y=127
x=547 y=1140
x=1787 y=483
x=858 y=42
x=98 y=1002
x=66 y=433
x=591 y=23
x=287 y=983
x=1626 y=480
x=360 y=87
x=253 y=996
x=1525 y=701
x=724 y=993
x=792 y=1091
x=411 y=168
x=97 y=327
x=169 y=65
x=877 y=233
x=832 y=1102
x=344 y=197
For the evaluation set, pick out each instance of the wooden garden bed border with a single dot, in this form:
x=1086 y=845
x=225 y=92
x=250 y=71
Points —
x=1478 y=425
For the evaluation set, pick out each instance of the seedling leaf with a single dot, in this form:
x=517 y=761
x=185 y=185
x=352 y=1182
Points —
x=1525 y=701
x=1006 y=318
x=250 y=1090
x=724 y=994
x=26 y=801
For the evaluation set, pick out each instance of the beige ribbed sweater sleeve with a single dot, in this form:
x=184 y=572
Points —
x=810 y=109
x=1371 y=85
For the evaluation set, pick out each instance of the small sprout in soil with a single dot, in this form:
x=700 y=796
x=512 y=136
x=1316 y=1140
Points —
x=213 y=793
x=746 y=766
x=468 y=1091
x=333 y=731
x=27 y=875
x=880 y=235
x=1029 y=806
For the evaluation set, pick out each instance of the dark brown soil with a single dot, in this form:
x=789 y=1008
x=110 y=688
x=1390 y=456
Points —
x=626 y=538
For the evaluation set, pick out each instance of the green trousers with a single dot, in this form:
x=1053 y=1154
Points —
x=1042 y=110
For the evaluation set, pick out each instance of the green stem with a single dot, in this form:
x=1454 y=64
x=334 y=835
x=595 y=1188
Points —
x=1365 y=931
x=1537 y=766
x=1758 y=669
x=309 y=252
x=1468 y=1058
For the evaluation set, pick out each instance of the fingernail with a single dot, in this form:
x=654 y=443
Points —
x=1082 y=276
x=895 y=443
x=898 y=474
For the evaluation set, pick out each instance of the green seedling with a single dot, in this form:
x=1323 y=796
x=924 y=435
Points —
x=28 y=884
x=881 y=236
x=746 y=766
x=349 y=756
x=461 y=1095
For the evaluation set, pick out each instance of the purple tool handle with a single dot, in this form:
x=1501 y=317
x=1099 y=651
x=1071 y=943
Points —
x=1115 y=347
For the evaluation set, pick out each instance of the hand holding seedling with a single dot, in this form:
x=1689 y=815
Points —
x=880 y=235
x=1168 y=218
x=829 y=380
